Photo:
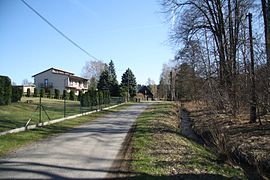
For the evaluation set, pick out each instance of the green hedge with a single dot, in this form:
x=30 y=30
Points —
x=5 y=90
x=93 y=98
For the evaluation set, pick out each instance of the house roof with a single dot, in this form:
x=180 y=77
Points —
x=145 y=90
x=77 y=78
x=56 y=71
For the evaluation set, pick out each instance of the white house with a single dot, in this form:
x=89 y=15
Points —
x=28 y=86
x=53 y=78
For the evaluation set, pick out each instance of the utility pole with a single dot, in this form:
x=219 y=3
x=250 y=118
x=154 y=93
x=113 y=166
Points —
x=253 y=114
x=172 y=86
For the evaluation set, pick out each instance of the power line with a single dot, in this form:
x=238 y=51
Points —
x=57 y=30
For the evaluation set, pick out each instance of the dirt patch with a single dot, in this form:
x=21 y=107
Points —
x=237 y=139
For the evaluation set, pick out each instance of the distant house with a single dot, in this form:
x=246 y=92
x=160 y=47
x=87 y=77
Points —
x=53 y=78
x=28 y=86
x=145 y=91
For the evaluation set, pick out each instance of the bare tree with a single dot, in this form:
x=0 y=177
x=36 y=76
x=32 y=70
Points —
x=163 y=89
x=25 y=82
x=221 y=21
x=152 y=85
x=92 y=71
x=266 y=19
x=252 y=74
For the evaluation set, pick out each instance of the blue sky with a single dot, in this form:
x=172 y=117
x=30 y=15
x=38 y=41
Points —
x=130 y=32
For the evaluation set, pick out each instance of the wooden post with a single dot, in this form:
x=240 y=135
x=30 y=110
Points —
x=39 y=108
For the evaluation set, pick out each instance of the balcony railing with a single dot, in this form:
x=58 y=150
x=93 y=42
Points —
x=77 y=86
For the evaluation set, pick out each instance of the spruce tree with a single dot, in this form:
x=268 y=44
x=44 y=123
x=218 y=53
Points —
x=129 y=83
x=104 y=82
x=113 y=83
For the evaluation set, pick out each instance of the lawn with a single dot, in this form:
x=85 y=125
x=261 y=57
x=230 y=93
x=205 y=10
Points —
x=17 y=114
x=160 y=152
x=11 y=142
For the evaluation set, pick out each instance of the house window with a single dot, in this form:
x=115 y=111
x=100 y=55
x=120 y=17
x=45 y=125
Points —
x=46 y=82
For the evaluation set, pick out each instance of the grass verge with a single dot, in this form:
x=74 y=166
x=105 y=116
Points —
x=160 y=152
x=11 y=142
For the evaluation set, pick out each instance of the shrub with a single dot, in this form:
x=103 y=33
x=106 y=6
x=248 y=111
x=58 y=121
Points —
x=5 y=90
x=80 y=95
x=56 y=94
x=42 y=92
x=106 y=96
x=28 y=93
x=100 y=97
x=65 y=94
x=17 y=93
x=49 y=95
x=85 y=100
x=72 y=95
x=35 y=92
x=93 y=97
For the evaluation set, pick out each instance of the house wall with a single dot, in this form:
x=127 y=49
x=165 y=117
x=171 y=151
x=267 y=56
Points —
x=59 y=81
x=30 y=87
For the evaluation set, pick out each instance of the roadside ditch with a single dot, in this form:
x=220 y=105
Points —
x=214 y=138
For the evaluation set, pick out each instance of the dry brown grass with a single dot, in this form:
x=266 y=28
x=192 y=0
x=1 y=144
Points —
x=250 y=143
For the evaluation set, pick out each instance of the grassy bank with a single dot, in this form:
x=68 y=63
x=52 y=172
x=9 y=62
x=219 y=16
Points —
x=248 y=144
x=160 y=152
x=11 y=142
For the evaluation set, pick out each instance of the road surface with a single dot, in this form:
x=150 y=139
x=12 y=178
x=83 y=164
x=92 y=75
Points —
x=86 y=152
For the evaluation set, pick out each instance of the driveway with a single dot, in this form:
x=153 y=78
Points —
x=86 y=152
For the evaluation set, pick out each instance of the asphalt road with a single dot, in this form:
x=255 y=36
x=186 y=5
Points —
x=86 y=152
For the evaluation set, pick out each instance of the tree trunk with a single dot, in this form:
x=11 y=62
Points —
x=253 y=115
x=266 y=19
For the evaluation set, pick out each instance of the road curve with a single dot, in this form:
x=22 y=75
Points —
x=86 y=152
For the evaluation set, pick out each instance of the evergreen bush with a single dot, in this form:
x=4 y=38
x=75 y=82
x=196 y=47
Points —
x=100 y=98
x=85 y=100
x=65 y=94
x=80 y=96
x=49 y=95
x=35 y=92
x=17 y=93
x=72 y=95
x=42 y=92
x=56 y=94
x=5 y=90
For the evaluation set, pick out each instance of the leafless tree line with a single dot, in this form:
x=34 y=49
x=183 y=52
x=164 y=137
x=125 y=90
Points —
x=224 y=57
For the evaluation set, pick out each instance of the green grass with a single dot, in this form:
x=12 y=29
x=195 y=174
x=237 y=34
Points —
x=160 y=152
x=17 y=114
x=11 y=142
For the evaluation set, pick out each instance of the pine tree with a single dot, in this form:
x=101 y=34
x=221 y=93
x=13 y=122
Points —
x=104 y=82
x=129 y=83
x=113 y=83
